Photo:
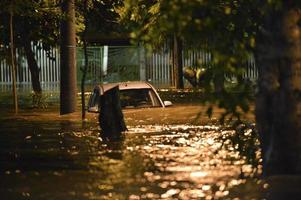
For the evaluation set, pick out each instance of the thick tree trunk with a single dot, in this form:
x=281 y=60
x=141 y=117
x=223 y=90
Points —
x=218 y=81
x=177 y=62
x=33 y=66
x=278 y=107
x=31 y=61
x=68 y=59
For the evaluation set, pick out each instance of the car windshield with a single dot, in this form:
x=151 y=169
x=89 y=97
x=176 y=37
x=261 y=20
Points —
x=138 y=98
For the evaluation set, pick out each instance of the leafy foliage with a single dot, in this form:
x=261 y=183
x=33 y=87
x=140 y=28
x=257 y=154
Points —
x=39 y=100
x=227 y=29
x=39 y=20
x=101 y=16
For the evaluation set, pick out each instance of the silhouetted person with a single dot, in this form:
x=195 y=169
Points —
x=111 y=117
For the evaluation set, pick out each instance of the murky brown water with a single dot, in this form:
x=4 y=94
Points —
x=65 y=161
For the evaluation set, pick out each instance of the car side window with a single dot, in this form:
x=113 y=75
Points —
x=135 y=98
x=154 y=98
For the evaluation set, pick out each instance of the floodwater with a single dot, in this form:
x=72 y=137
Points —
x=63 y=160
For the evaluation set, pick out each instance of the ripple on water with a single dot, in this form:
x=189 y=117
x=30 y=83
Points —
x=187 y=161
x=152 y=162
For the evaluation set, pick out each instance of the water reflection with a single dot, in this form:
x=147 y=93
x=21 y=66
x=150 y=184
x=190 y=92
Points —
x=150 y=162
x=191 y=162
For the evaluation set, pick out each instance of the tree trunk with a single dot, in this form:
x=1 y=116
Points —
x=68 y=59
x=84 y=69
x=33 y=66
x=219 y=82
x=13 y=56
x=177 y=62
x=278 y=105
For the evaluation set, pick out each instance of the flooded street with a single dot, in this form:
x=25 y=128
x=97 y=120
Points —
x=63 y=160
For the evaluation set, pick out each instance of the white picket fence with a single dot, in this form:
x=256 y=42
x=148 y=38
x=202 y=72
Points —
x=49 y=65
x=132 y=63
x=48 y=62
x=159 y=66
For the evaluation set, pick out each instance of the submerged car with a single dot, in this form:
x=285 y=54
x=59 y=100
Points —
x=136 y=94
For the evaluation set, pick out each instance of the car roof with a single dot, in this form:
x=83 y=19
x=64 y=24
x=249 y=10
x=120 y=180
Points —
x=126 y=85
x=102 y=88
